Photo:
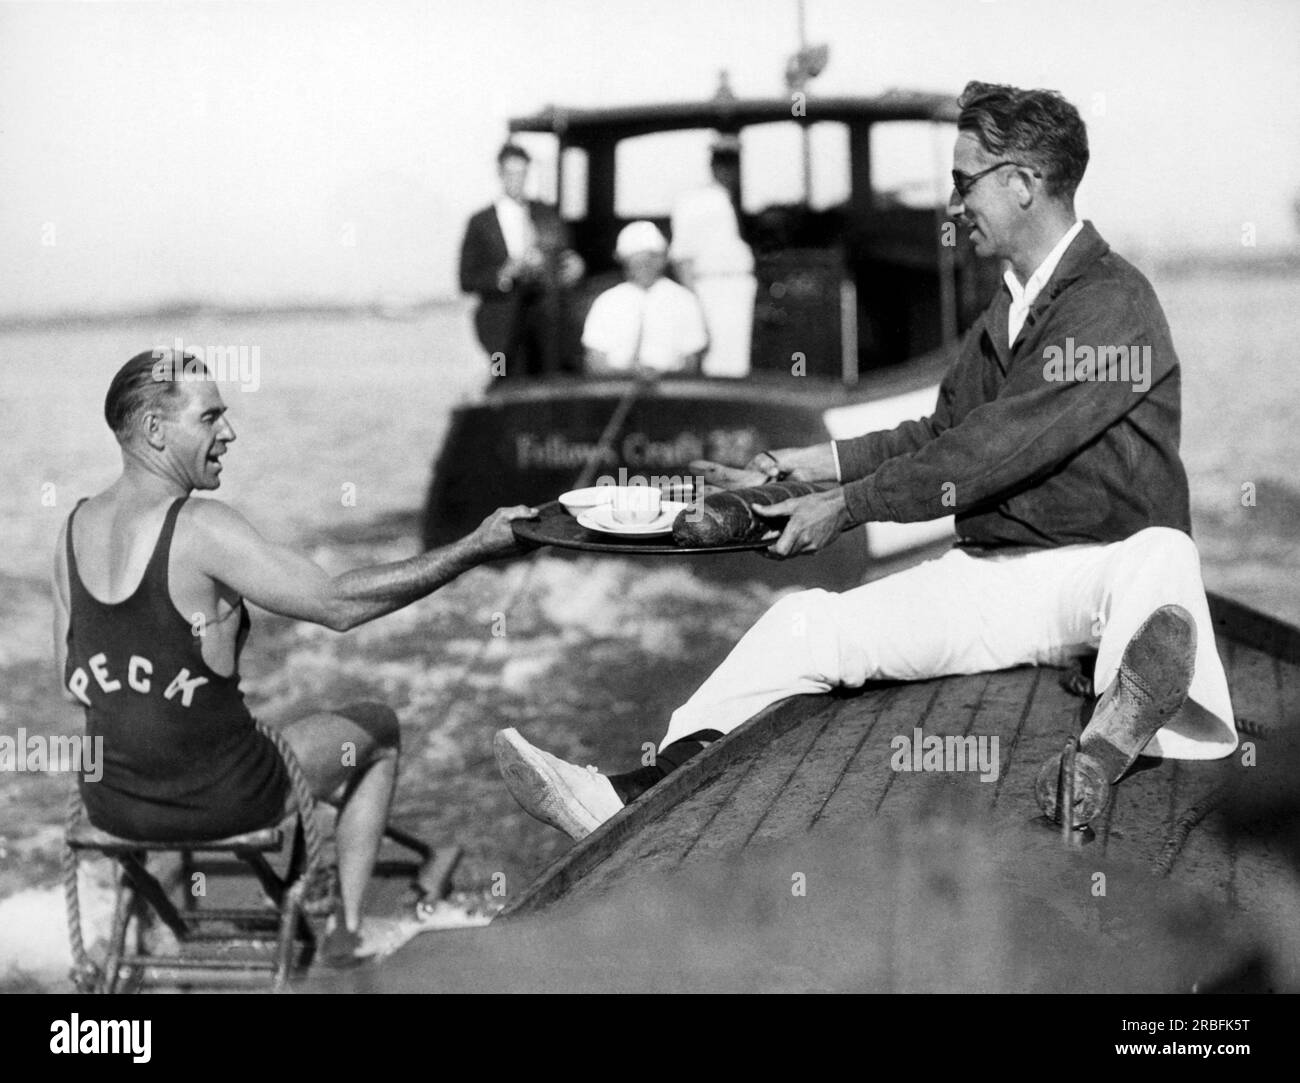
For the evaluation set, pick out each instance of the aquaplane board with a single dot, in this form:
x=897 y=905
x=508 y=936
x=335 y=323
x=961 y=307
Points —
x=555 y=526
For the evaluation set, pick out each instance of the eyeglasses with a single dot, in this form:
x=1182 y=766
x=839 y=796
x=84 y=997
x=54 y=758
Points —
x=963 y=182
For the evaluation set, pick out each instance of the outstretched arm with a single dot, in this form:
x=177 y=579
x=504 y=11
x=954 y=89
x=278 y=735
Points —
x=228 y=548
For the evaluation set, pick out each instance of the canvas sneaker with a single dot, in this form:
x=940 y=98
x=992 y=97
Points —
x=576 y=800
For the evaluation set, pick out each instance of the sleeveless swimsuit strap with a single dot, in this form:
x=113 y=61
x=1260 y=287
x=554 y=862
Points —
x=74 y=580
x=161 y=550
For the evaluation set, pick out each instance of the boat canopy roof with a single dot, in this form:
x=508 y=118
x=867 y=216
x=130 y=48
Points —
x=576 y=126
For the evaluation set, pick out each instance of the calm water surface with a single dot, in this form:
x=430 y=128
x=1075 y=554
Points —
x=597 y=652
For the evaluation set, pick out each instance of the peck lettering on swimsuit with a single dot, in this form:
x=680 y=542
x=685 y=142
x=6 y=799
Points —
x=139 y=678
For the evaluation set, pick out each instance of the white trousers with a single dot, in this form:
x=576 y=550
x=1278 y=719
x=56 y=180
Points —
x=972 y=614
x=728 y=304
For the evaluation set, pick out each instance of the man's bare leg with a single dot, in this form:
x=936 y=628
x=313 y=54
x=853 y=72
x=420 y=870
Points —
x=351 y=755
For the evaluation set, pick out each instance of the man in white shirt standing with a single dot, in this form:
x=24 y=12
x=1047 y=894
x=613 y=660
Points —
x=647 y=324
x=710 y=258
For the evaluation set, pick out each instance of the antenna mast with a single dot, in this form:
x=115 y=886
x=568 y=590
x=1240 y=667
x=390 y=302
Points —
x=802 y=67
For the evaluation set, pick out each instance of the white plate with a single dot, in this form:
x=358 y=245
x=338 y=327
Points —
x=601 y=519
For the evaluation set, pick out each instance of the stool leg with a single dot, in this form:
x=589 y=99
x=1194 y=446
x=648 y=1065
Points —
x=290 y=914
x=122 y=906
x=404 y=838
x=152 y=891
x=187 y=880
x=297 y=875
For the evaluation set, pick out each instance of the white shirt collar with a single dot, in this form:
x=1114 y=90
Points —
x=1043 y=272
x=1024 y=296
x=516 y=225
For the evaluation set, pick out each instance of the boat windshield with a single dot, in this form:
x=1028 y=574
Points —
x=911 y=162
x=844 y=218
x=653 y=170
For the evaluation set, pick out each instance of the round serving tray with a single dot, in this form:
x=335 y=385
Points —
x=555 y=526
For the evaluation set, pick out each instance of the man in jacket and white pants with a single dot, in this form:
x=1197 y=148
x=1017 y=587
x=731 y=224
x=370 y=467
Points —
x=1055 y=441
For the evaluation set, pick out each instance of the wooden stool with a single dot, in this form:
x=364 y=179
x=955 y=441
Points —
x=200 y=947
x=202 y=950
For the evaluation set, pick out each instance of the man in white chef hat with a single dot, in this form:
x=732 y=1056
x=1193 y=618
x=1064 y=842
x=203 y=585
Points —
x=647 y=324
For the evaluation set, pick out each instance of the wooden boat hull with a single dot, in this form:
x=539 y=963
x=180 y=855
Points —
x=791 y=856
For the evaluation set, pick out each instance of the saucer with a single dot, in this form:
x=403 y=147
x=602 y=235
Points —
x=601 y=519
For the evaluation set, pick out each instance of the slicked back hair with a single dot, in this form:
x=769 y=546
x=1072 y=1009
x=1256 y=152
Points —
x=149 y=381
x=1037 y=127
x=512 y=150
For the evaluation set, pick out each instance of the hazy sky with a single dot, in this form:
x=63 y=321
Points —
x=275 y=151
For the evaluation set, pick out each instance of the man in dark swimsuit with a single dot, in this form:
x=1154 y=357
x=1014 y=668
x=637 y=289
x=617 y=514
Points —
x=149 y=621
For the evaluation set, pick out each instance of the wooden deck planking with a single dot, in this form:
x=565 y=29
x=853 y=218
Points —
x=765 y=784
x=953 y=714
x=1144 y=807
x=1239 y=623
x=1261 y=864
x=1043 y=708
x=823 y=766
x=1286 y=676
x=1048 y=716
x=663 y=842
x=1252 y=680
x=798 y=772
x=862 y=786
x=1207 y=859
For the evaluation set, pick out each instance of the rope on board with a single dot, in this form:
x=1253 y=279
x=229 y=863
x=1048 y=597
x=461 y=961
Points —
x=1182 y=829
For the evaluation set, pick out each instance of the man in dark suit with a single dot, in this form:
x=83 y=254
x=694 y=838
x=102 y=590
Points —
x=514 y=256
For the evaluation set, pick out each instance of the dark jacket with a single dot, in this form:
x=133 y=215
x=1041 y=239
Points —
x=1023 y=447
x=518 y=322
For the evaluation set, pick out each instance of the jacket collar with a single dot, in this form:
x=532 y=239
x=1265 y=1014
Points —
x=1083 y=252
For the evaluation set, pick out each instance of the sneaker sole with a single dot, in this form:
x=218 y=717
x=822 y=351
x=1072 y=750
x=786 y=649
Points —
x=540 y=792
x=1155 y=674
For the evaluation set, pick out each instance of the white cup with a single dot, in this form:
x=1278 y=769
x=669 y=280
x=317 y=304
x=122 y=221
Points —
x=635 y=505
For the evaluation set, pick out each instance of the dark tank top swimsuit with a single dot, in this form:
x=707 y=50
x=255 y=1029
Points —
x=182 y=757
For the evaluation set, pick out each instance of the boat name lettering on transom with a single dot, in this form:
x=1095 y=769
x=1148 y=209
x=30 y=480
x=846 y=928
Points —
x=637 y=449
